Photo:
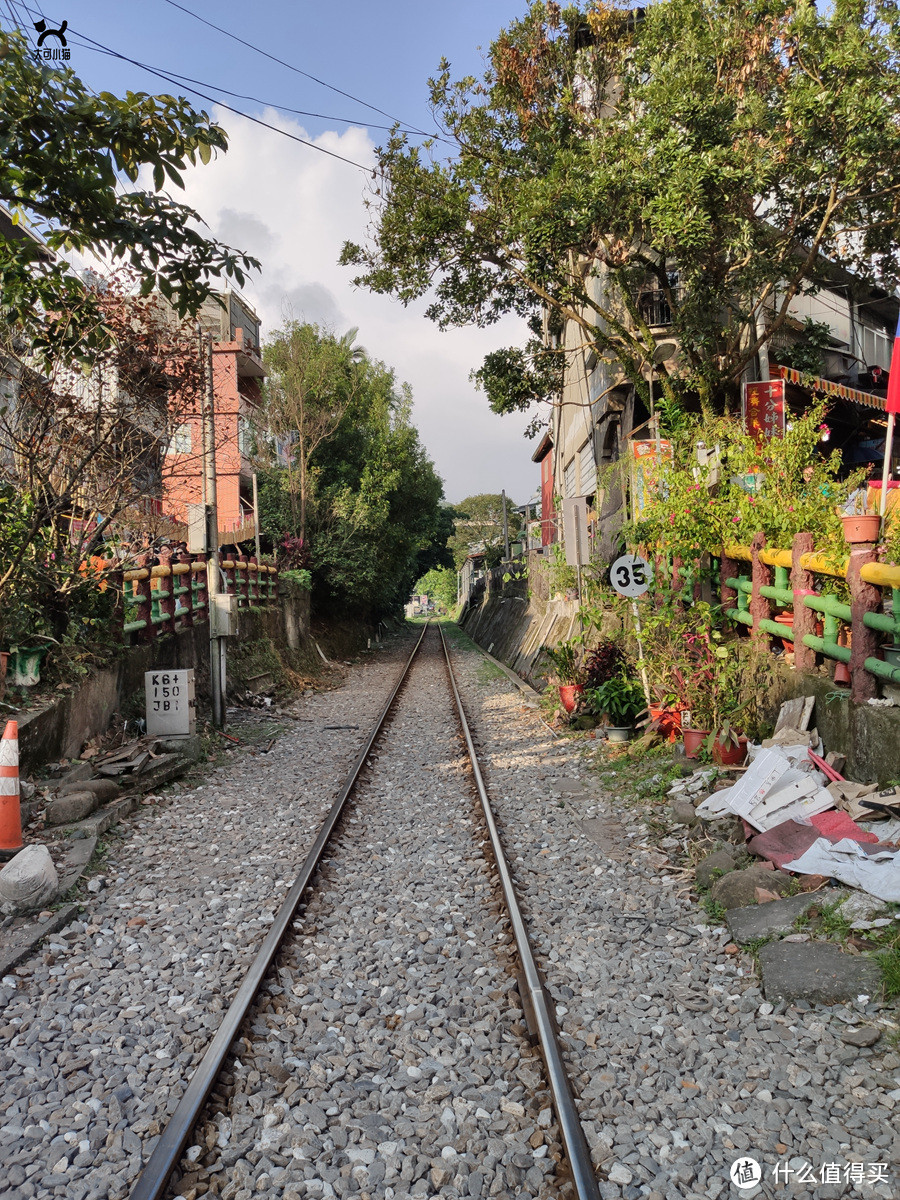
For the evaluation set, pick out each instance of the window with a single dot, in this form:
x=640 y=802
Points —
x=588 y=468
x=180 y=440
x=876 y=348
x=569 y=479
x=245 y=436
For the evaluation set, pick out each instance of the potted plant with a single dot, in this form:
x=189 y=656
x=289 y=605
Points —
x=622 y=700
x=860 y=523
x=569 y=671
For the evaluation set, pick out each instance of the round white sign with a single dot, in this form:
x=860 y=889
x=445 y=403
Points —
x=631 y=575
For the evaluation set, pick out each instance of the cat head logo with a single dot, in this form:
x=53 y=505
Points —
x=41 y=28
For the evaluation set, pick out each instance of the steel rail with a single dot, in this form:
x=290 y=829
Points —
x=168 y=1150
x=573 y=1136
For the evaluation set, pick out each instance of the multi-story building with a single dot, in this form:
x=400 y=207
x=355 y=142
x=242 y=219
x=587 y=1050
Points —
x=601 y=419
x=237 y=376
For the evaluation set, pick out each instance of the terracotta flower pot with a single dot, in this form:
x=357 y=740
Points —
x=861 y=527
x=787 y=620
x=669 y=720
x=693 y=740
x=728 y=754
x=569 y=693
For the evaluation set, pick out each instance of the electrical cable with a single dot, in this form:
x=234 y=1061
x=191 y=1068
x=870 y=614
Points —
x=298 y=112
x=90 y=44
x=291 y=67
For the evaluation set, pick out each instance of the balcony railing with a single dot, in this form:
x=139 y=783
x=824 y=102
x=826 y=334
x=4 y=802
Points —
x=654 y=305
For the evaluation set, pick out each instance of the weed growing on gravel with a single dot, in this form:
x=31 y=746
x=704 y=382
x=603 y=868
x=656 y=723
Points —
x=714 y=910
x=827 y=920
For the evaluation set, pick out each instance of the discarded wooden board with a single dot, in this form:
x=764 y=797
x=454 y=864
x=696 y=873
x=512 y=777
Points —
x=795 y=714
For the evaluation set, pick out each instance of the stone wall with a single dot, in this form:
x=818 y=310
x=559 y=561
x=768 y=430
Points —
x=513 y=620
x=267 y=638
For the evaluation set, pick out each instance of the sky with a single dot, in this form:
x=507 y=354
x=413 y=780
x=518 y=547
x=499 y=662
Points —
x=291 y=206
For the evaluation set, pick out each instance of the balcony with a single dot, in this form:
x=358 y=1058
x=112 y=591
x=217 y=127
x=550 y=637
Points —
x=655 y=308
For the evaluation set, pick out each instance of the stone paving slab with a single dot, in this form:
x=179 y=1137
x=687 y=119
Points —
x=778 y=916
x=816 y=971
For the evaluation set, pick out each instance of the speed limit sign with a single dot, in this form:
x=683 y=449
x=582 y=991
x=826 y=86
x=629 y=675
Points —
x=631 y=575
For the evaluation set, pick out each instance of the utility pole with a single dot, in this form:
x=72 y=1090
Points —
x=505 y=529
x=256 y=523
x=216 y=643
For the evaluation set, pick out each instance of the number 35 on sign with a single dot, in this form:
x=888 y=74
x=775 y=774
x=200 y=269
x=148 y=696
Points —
x=630 y=575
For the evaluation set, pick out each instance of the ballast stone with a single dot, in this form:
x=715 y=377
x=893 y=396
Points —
x=28 y=881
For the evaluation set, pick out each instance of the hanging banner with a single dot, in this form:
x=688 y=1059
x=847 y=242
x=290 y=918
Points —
x=764 y=409
x=647 y=460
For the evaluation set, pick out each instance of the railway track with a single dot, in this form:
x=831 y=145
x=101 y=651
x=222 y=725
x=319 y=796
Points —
x=391 y=933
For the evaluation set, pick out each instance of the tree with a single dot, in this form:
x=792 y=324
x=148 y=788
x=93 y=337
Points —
x=719 y=153
x=479 y=527
x=70 y=163
x=312 y=378
x=439 y=584
x=78 y=450
x=375 y=507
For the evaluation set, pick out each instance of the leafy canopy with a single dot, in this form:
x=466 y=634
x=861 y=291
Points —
x=711 y=151
x=62 y=152
x=479 y=527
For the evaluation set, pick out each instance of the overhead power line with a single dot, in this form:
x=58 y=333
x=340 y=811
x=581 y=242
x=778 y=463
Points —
x=290 y=66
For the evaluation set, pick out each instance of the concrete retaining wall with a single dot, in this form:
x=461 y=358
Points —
x=61 y=728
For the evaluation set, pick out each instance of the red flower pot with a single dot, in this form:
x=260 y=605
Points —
x=861 y=527
x=693 y=740
x=669 y=720
x=568 y=694
x=729 y=754
x=786 y=619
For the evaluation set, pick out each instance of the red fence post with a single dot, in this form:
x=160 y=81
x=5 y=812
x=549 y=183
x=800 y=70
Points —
x=243 y=586
x=864 y=597
x=167 y=605
x=761 y=576
x=803 y=584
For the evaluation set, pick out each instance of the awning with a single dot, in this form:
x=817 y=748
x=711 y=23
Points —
x=815 y=384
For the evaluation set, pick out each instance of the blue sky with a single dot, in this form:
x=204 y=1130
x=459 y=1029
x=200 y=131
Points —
x=291 y=206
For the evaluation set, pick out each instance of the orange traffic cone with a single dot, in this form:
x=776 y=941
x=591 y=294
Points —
x=10 y=810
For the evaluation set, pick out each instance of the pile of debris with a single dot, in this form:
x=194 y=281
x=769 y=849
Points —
x=801 y=815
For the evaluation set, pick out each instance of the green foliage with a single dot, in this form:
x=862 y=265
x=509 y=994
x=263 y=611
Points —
x=889 y=962
x=62 y=148
x=374 y=503
x=439 y=584
x=621 y=698
x=563 y=578
x=566 y=660
x=696 y=509
x=301 y=577
x=807 y=353
x=514 y=379
x=745 y=141
x=478 y=527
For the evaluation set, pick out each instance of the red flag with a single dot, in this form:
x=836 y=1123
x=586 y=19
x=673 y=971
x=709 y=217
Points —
x=893 y=393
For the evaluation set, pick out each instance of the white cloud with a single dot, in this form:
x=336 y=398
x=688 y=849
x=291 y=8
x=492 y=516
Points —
x=293 y=208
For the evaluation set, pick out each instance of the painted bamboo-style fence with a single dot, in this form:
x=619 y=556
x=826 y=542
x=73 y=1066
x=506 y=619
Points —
x=172 y=595
x=823 y=624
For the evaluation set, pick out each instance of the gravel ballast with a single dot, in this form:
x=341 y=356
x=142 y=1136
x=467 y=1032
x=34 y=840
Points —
x=387 y=1055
